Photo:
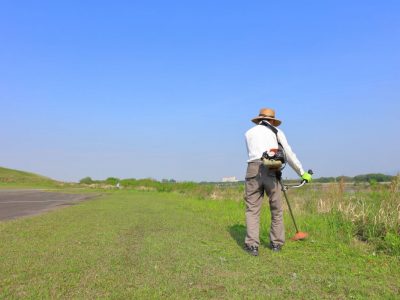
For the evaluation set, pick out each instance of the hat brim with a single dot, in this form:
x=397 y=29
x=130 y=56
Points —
x=273 y=121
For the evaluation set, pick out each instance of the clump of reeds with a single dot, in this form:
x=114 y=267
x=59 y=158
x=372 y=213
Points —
x=389 y=211
x=372 y=211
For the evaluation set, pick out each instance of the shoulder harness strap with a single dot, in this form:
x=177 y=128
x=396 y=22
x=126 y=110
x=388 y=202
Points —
x=273 y=129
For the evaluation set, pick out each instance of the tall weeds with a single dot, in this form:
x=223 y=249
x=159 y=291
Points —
x=373 y=211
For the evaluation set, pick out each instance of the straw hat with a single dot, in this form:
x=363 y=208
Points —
x=267 y=114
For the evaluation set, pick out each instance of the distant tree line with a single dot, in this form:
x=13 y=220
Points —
x=368 y=178
x=373 y=177
x=109 y=181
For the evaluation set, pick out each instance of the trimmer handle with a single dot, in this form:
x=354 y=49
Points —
x=289 y=186
x=304 y=181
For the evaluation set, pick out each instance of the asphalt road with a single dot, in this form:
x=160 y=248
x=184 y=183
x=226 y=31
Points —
x=19 y=203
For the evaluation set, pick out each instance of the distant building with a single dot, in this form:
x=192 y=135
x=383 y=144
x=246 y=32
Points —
x=229 y=179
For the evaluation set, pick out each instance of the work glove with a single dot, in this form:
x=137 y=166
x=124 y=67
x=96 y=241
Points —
x=307 y=177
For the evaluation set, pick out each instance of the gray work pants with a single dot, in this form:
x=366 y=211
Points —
x=260 y=180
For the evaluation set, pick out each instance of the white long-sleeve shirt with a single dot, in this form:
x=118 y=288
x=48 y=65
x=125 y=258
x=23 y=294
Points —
x=260 y=139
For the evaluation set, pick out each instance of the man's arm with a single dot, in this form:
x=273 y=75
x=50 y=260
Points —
x=290 y=155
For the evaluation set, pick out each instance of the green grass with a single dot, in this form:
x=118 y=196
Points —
x=131 y=244
x=10 y=178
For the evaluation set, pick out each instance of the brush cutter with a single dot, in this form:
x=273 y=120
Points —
x=299 y=234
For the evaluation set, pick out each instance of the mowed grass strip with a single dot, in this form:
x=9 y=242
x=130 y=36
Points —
x=131 y=244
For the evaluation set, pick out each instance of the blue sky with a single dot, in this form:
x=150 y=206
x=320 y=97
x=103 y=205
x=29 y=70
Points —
x=166 y=89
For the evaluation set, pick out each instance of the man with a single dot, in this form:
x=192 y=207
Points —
x=261 y=177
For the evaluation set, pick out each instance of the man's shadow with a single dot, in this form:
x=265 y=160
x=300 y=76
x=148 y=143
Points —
x=238 y=233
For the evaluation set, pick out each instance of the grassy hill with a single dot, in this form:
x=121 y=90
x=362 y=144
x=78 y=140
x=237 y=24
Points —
x=10 y=177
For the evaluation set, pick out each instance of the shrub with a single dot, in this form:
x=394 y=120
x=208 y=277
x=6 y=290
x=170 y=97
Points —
x=86 y=180
x=112 y=180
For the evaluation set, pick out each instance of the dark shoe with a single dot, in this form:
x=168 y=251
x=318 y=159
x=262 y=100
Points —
x=276 y=248
x=252 y=250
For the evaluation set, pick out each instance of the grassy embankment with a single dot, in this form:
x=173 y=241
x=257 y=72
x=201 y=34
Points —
x=141 y=244
x=10 y=178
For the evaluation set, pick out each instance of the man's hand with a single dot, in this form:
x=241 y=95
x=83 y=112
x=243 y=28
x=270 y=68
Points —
x=306 y=176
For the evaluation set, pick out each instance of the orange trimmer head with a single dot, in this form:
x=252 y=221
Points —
x=300 y=236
